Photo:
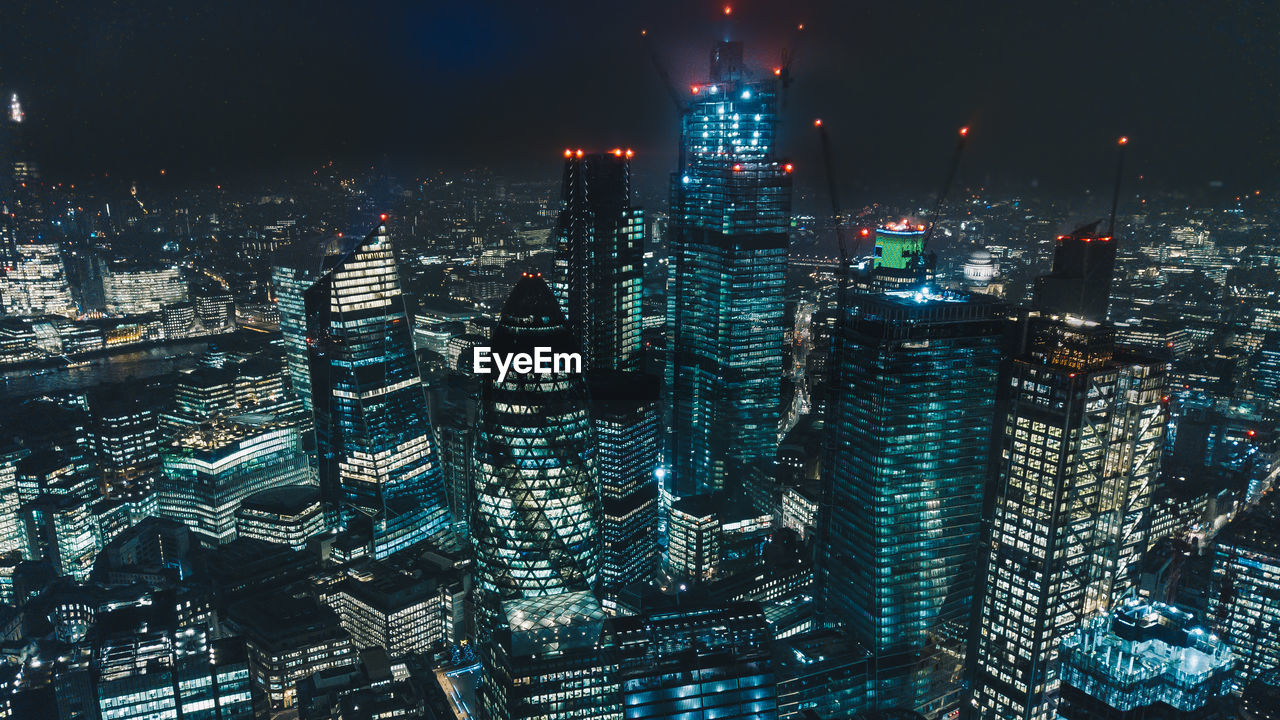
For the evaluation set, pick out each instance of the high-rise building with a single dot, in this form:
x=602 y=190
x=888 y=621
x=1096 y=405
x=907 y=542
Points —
x=36 y=283
x=1080 y=282
x=293 y=271
x=125 y=433
x=383 y=607
x=536 y=509
x=908 y=427
x=600 y=258
x=210 y=469
x=1079 y=432
x=730 y=215
x=13 y=532
x=625 y=414
x=693 y=539
x=1145 y=660
x=217 y=311
x=60 y=531
x=697 y=661
x=899 y=261
x=377 y=461
x=1244 y=588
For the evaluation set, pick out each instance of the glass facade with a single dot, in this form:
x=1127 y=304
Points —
x=1245 y=586
x=908 y=424
x=730 y=213
x=376 y=455
x=1078 y=435
x=624 y=411
x=536 y=508
x=600 y=259
x=1144 y=660
x=36 y=283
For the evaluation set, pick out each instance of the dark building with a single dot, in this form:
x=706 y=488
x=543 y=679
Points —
x=730 y=215
x=600 y=259
x=625 y=414
x=1080 y=281
x=1244 y=587
x=908 y=422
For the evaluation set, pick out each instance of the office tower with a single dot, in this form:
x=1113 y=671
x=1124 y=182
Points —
x=624 y=412
x=384 y=607
x=600 y=258
x=288 y=639
x=552 y=657
x=377 y=458
x=457 y=434
x=293 y=271
x=824 y=672
x=59 y=530
x=1266 y=377
x=143 y=662
x=142 y=290
x=908 y=427
x=693 y=539
x=1079 y=427
x=179 y=320
x=287 y=515
x=217 y=311
x=13 y=532
x=697 y=661
x=202 y=394
x=210 y=469
x=48 y=471
x=1080 y=282
x=36 y=284
x=125 y=434
x=536 y=511
x=730 y=213
x=1145 y=660
x=1244 y=588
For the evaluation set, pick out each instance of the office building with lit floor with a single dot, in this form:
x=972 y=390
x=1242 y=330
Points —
x=211 y=469
x=1145 y=660
x=1244 y=588
x=287 y=515
x=908 y=422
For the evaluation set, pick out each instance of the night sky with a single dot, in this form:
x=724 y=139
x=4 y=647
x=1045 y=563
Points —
x=223 y=89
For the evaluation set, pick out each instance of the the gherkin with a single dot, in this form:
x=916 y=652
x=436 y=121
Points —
x=535 y=516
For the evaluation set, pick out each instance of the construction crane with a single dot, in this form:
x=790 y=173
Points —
x=1121 y=144
x=833 y=191
x=934 y=216
x=783 y=71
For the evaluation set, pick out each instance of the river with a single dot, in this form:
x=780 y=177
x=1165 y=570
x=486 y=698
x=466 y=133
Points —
x=125 y=365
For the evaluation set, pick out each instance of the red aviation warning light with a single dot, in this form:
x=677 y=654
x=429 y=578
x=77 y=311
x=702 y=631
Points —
x=728 y=9
x=817 y=122
x=788 y=167
x=568 y=152
x=578 y=152
x=630 y=154
x=737 y=167
x=964 y=131
x=777 y=72
x=864 y=232
x=693 y=89
x=383 y=217
x=617 y=152
x=1124 y=140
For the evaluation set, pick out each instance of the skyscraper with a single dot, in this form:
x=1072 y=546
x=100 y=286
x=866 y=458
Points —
x=1079 y=429
x=376 y=455
x=536 y=509
x=600 y=258
x=1244 y=587
x=36 y=283
x=1080 y=283
x=730 y=214
x=908 y=423
x=624 y=412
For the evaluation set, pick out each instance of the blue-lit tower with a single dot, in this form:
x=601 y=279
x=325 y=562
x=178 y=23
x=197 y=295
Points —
x=377 y=460
x=730 y=212
x=908 y=425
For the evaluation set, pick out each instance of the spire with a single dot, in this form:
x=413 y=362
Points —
x=15 y=109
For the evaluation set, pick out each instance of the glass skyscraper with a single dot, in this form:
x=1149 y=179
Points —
x=909 y=421
x=536 y=508
x=376 y=456
x=600 y=258
x=624 y=412
x=1079 y=432
x=730 y=213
